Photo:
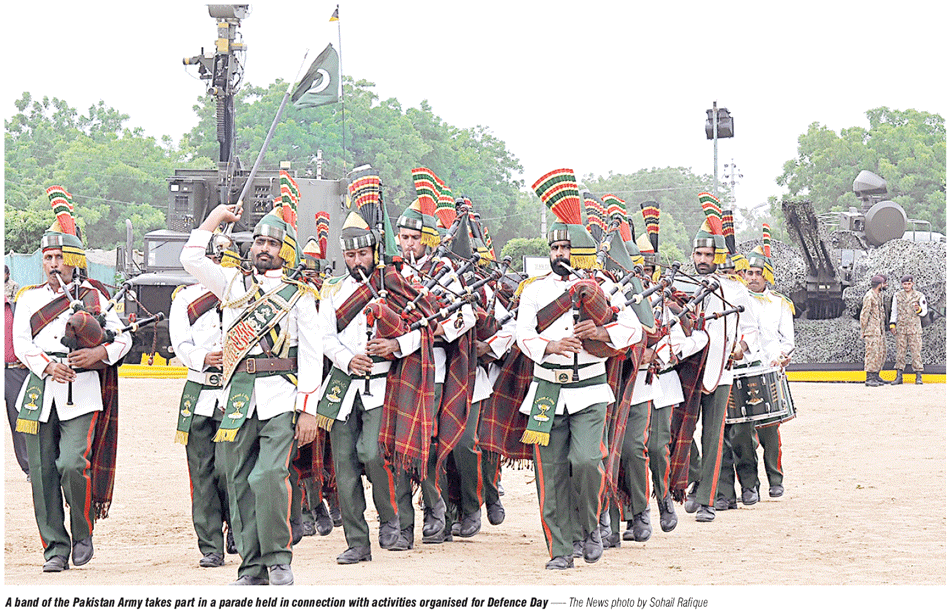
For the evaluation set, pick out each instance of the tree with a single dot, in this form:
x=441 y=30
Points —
x=906 y=148
x=113 y=172
x=519 y=247
x=472 y=161
x=676 y=189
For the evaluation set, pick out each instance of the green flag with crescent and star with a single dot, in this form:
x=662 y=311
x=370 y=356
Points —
x=321 y=84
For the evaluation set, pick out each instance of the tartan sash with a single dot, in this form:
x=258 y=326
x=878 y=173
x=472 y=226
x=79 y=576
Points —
x=197 y=308
x=52 y=310
x=683 y=422
x=502 y=425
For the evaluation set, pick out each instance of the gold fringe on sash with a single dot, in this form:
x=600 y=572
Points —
x=28 y=426
x=324 y=422
x=535 y=437
x=225 y=435
x=181 y=437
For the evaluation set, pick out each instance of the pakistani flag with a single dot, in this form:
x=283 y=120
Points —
x=321 y=84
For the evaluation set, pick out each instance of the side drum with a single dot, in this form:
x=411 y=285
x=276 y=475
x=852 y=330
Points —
x=759 y=395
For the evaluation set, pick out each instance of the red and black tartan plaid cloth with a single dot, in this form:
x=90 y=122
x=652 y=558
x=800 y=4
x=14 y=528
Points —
x=501 y=424
x=105 y=441
x=621 y=376
x=409 y=404
x=314 y=461
x=197 y=308
x=460 y=363
x=683 y=422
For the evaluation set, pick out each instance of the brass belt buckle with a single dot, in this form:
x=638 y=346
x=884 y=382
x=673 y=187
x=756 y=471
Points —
x=214 y=380
x=563 y=376
x=251 y=366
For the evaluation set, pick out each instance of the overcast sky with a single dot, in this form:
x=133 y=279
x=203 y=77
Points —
x=596 y=86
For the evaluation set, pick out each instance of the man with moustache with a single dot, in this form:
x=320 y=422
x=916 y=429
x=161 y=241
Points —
x=413 y=227
x=68 y=406
x=566 y=417
x=349 y=409
x=272 y=368
x=730 y=338
x=194 y=325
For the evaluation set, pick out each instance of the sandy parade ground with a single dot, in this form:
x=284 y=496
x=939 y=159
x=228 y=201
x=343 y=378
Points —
x=865 y=506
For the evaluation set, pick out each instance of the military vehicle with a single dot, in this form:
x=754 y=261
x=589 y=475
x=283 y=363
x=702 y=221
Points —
x=193 y=193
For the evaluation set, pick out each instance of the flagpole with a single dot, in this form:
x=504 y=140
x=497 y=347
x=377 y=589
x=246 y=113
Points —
x=339 y=38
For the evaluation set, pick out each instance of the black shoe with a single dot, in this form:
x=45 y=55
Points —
x=296 y=531
x=82 y=551
x=501 y=491
x=603 y=523
x=496 y=513
x=628 y=533
x=723 y=504
x=920 y=378
x=776 y=491
x=457 y=528
x=705 y=514
x=668 y=517
x=642 y=529
x=211 y=560
x=471 y=524
x=561 y=562
x=388 y=533
x=750 y=495
x=280 y=574
x=247 y=579
x=578 y=549
x=404 y=543
x=229 y=544
x=321 y=519
x=57 y=563
x=691 y=505
x=446 y=534
x=612 y=541
x=335 y=515
x=354 y=555
x=871 y=380
x=433 y=524
x=899 y=379
x=593 y=547
x=308 y=528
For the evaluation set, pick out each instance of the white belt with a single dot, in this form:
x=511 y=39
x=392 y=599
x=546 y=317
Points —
x=380 y=368
x=209 y=379
x=566 y=375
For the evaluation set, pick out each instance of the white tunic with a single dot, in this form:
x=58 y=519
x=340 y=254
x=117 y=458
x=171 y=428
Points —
x=623 y=332
x=34 y=352
x=272 y=395
x=725 y=333
x=192 y=342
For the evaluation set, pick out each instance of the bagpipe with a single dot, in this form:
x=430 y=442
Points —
x=87 y=329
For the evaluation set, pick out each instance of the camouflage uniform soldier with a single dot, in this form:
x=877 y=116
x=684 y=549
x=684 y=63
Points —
x=906 y=310
x=872 y=330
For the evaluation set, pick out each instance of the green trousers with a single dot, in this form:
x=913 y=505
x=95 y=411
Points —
x=713 y=415
x=739 y=459
x=209 y=486
x=771 y=441
x=573 y=459
x=355 y=447
x=633 y=456
x=60 y=457
x=259 y=491
x=466 y=467
x=658 y=449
